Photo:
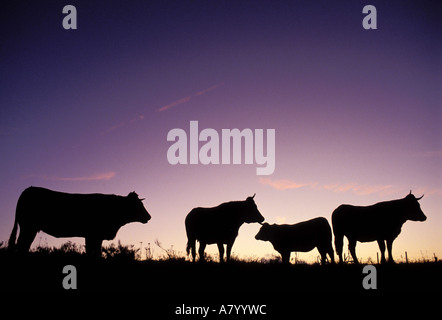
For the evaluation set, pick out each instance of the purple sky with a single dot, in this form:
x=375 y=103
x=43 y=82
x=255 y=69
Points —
x=356 y=112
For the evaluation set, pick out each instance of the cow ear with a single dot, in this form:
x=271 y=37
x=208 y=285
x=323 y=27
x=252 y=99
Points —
x=132 y=195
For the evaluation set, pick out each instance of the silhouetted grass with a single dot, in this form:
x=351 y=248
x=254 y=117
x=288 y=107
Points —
x=71 y=249
x=120 y=268
x=120 y=252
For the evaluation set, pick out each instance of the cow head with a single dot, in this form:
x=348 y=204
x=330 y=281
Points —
x=251 y=212
x=136 y=211
x=413 y=209
x=263 y=233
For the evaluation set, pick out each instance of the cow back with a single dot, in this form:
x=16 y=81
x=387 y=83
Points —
x=69 y=215
x=216 y=224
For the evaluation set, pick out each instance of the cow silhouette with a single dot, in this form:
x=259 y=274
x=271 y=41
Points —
x=219 y=225
x=379 y=222
x=300 y=237
x=96 y=217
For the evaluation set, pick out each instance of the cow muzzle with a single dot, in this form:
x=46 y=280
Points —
x=146 y=218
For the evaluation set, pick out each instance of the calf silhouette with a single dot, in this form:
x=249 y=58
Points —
x=96 y=217
x=303 y=237
x=219 y=225
x=379 y=222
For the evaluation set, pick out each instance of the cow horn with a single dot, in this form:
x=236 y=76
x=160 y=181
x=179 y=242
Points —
x=254 y=196
x=142 y=199
x=420 y=197
x=410 y=192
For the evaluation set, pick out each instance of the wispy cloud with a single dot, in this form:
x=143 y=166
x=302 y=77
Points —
x=359 y=189
x=282 y=184
x=94 y=177
x=161 y=109
x=428 y=191
x=122 y=124
x=175 y=103
x=188 y=98
x=362 y=189
x=199 y=93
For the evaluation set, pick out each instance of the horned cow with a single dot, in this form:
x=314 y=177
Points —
x=96 y=217
x=219 y=225
x=379 y=222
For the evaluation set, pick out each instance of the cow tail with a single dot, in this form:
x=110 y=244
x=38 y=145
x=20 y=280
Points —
x=11 y=243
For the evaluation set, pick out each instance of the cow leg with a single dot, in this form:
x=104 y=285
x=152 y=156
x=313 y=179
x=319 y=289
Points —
x=192 y=247
x=25 y=239
x=390 y=250
x=285 y=255
x=339 y=244
x=93 y=247
x=201 y=251
x=323 y=256
x=352 y=248
x=229 y=250
x=331 y=253
x=221 y=252
x=324 y=249
x=381 y=244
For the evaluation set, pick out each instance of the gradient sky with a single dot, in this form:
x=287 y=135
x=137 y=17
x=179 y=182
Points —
x=356 y=112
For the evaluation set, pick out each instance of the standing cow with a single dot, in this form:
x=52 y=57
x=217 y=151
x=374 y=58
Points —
x=219 y=225
x=303 y=237
x=96 y=217
x=379 y=222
